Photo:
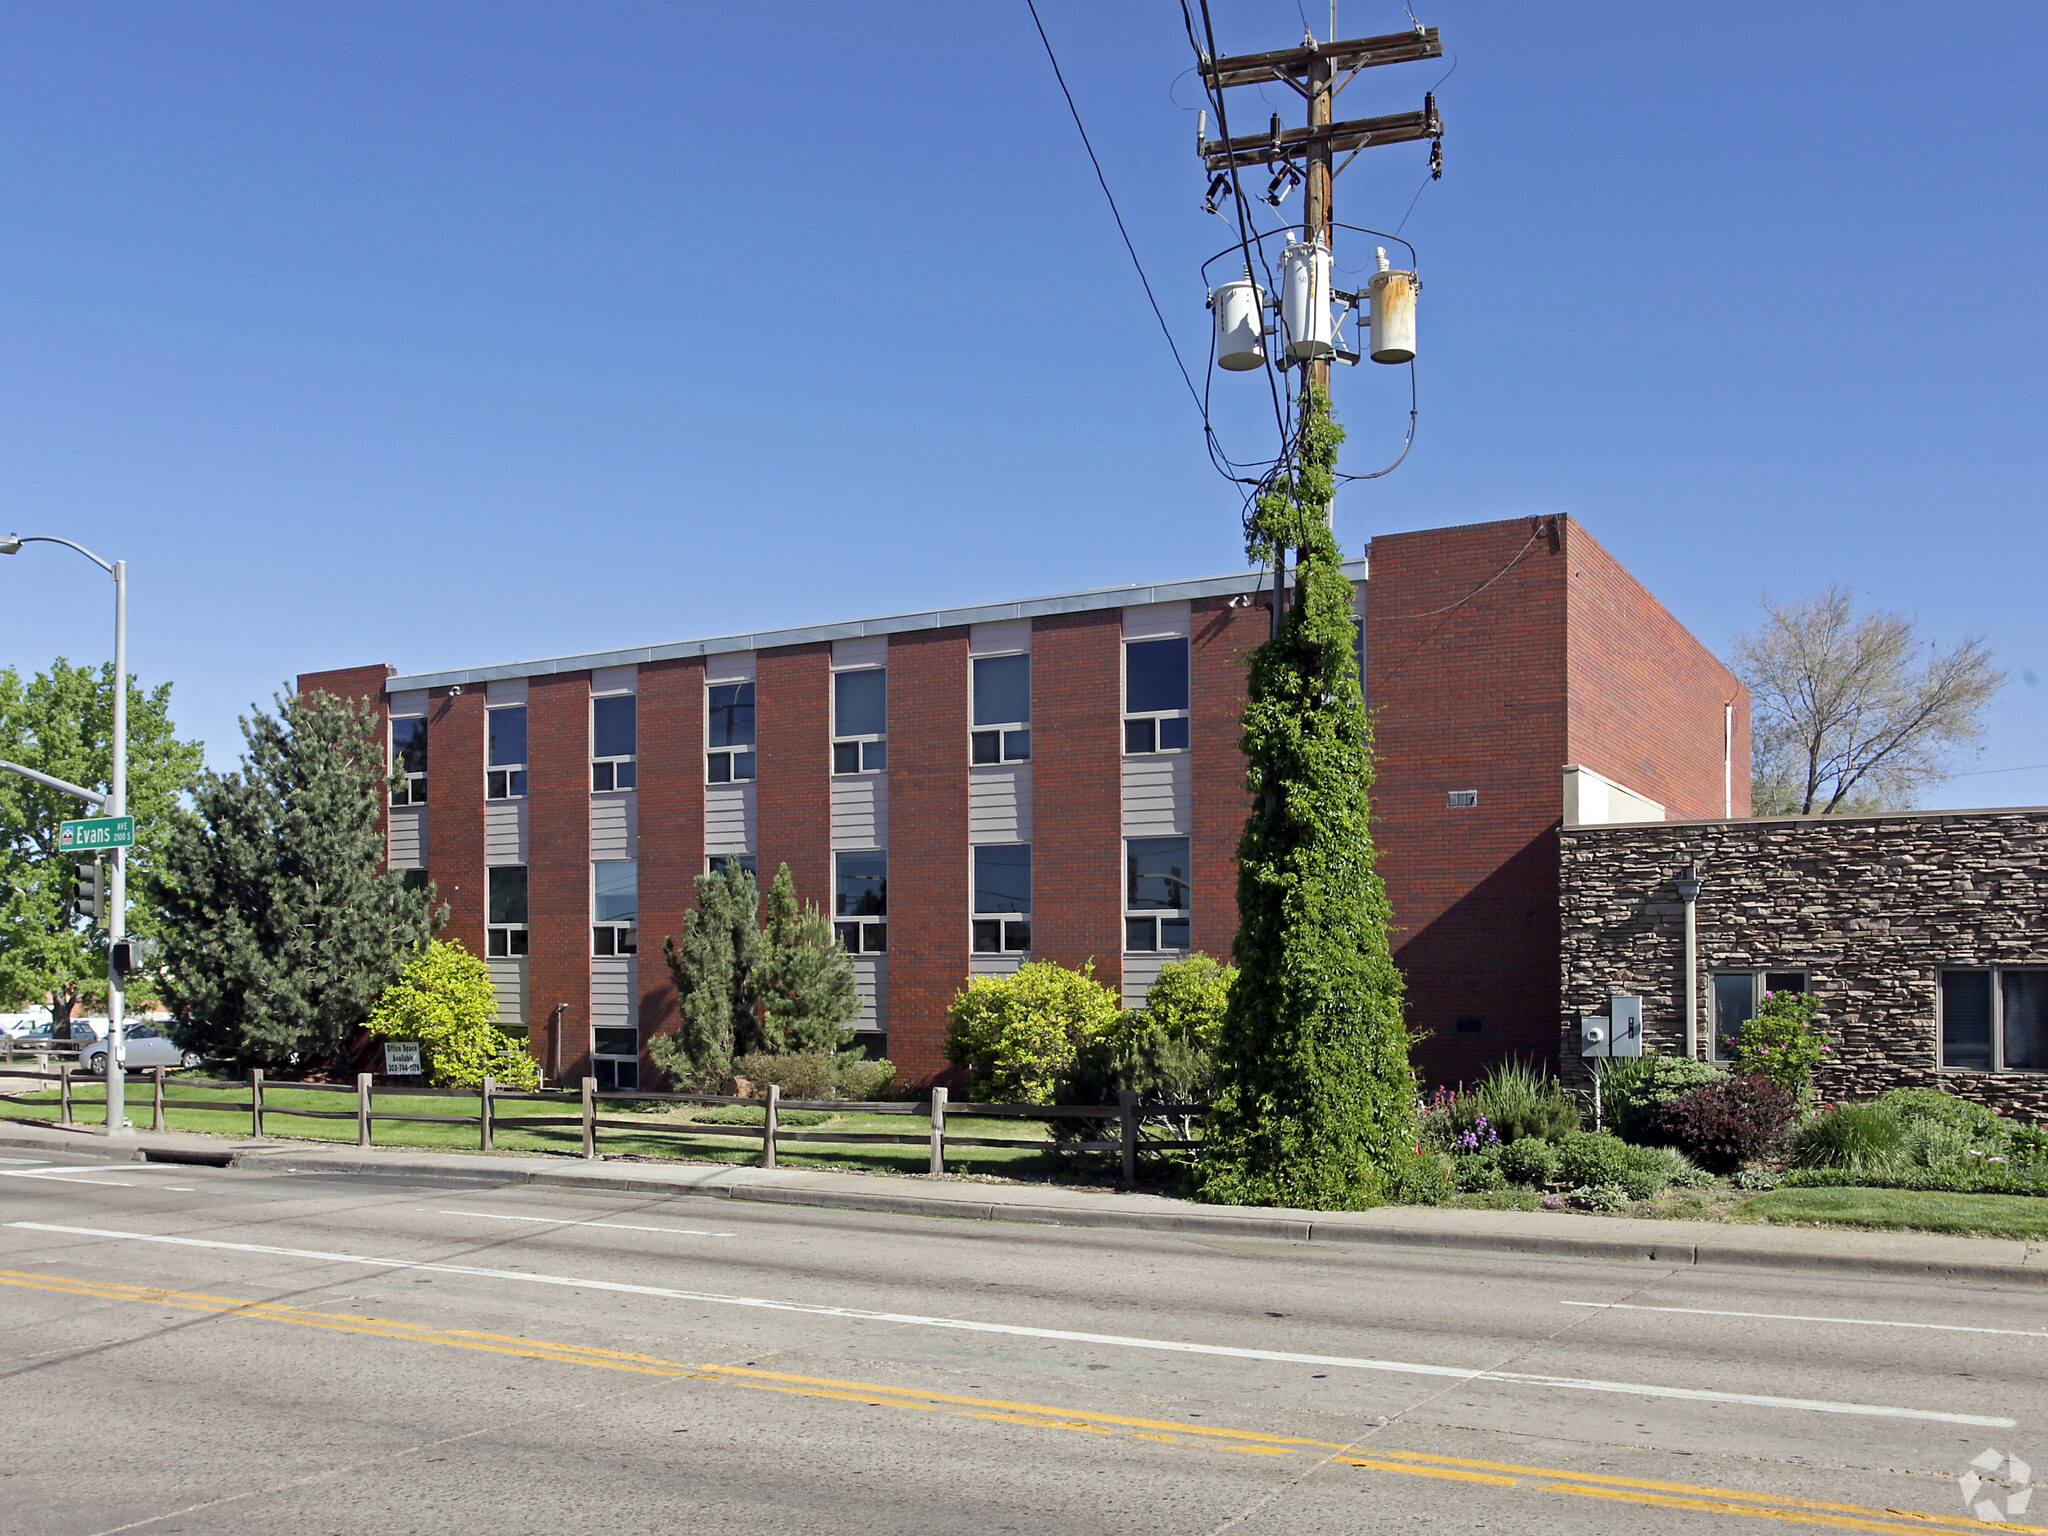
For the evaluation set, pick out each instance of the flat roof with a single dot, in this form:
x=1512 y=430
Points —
x=855 y=629
x=1809 y=820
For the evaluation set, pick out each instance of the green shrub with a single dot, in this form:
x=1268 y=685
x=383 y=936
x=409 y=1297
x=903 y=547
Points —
x=1520 y=1101
x=444 y=999
x=1781 y=1043
x=1600 y=1197
x=1726 y=1124
x=1635 y=1091
x=1528 y=1161
x=1760 y=1178
x=1916 y=1106
x=866 y=1081
x=2027 y=1141
x=1478 y=1172
x=750 y=1114
x=1591 y=1157
x=1849 y=1136
x=1680 y=1170
x=1165 y=1051
x=818 y=1075
x=1016 y=1034
x=1421 y=1180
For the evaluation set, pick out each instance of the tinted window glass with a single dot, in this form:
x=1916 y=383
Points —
x=719 y=862
x=1002 y=877
x=508 y=737
x=1966 y=1019
x=508 y=893
x=612 y=725
x=409 y=744
x=860 y=703
x=1734 y=1006
x=732 y=715
x=615 y=891
x=1155 y=675
x=1002 y=690
x=2026 y=1019
x=1156 y=874
x=863 y=885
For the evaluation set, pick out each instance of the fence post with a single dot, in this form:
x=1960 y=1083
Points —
x=64 y=1093
x=938 y=1130
x=255 y=1101
x=590 y=1117
x=768 y=1127
x=1127 y=1102
x=156 y=1099
x=362 y=1109
x=484 y=1115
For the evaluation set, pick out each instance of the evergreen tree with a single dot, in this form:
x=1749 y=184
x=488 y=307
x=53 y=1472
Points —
x=717 y=991
x=60 y=722
x=280 y=933
x=808 y=994
x=1315 y=1098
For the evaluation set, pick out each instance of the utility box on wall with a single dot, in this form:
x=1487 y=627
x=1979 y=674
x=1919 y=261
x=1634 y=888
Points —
x=1618 y=1032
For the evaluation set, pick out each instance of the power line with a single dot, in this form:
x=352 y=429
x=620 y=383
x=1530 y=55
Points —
x=1117 y=214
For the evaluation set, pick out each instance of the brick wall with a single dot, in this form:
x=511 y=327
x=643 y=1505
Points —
x=1646 y=697
x=1223 y=638
x=1873 y=908
x=793 y=800
x=671 y=809
x=348 y=682
x=1467 y=684
x=928 y=850
x=1077 y=791
x=558 y=871
x=455 y=811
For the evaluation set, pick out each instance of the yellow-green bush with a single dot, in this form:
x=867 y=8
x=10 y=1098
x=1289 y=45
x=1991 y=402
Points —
x=1015 y=1034
x=443 y=999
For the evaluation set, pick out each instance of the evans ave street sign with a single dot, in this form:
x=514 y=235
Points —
x=100 y=832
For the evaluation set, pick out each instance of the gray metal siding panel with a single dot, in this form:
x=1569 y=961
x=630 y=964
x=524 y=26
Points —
x=407 y=843
x=615 y=825
x=505 y=832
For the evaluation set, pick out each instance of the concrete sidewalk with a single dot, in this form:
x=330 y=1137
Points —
x=1562 y=1234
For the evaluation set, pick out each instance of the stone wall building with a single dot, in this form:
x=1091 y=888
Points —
x=1924 y=935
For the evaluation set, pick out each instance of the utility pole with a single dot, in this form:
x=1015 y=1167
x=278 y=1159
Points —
x=1318 y=71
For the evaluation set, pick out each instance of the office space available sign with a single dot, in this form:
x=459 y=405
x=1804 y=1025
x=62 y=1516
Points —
x=402 y=1058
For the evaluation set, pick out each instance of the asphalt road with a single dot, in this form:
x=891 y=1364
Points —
x=201 y=1350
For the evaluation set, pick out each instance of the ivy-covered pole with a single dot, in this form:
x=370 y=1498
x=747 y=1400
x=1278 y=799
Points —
x=1315 y=1100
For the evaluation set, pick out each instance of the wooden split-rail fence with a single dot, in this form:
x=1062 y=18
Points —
x=1127 y=1117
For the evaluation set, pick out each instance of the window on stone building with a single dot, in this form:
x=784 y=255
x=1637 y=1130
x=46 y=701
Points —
x=1995 y=1020
x=505 y=910
x=1737 y=997
x=409 y=758
x=860 y=720
x=1156 y=696
x=1002 y=898
x=1156 y=900
x=729 y=732
x=614 y=741
x=1001 y=731
x=505 y=753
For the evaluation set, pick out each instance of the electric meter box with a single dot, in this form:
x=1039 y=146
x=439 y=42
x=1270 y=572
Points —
x=1618 y=1032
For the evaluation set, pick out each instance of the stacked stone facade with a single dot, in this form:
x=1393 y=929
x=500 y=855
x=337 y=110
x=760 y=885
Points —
x=1872 y=908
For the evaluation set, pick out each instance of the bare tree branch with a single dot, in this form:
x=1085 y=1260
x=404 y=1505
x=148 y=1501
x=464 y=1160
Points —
x=1848 y=716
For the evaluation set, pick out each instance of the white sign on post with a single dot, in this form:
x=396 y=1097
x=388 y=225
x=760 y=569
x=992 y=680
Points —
x=402 y=1058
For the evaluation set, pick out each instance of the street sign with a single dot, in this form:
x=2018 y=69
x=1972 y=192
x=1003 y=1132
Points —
x=402 y=1058
x=100 y=832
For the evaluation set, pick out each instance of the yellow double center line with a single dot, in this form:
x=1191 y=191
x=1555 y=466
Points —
x=1463 y=1469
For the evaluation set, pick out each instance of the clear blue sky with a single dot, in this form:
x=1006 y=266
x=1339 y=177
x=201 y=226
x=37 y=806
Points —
x=446 y=333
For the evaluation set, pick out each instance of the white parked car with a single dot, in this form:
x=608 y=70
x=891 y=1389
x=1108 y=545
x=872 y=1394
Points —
x=14 y=1025
x=147 y=1047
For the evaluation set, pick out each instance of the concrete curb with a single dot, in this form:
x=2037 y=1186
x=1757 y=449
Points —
x=1294 y=1227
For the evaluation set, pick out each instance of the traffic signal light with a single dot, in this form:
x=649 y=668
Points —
x=90 y=894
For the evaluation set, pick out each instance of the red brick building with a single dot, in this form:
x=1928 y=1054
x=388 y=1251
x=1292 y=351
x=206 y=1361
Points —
x=1055 y=779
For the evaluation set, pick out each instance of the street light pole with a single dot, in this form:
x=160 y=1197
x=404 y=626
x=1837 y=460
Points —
x=117 y=805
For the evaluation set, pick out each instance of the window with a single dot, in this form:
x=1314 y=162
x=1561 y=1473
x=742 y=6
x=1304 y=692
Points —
x=1738 y=995
x=860 y=721
x=614 y=745
x=414 y=879
x=1995 y=1021
x=614 y=907
x=720 y=861
x=615 y=1058
x=1002 y=898
x=1156 y=894
x=860 y=901
x=409 y=757
x=505 y=755
x=1156 y=696
x=730 y=733
x=1002 y=710
x=505 y=910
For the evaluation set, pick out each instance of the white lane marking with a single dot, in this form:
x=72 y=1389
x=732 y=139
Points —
x=859 y=1314
x=1795 y=1317
x=564 y=1221
x=58 y=1178
x=38 y=1161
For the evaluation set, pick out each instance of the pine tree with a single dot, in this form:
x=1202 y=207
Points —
x=807 y=985
x=1314 y=1104
x=280 y=932
x=717 y=988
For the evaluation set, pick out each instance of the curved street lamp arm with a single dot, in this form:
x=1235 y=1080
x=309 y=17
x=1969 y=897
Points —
x=14 y=542
x=89 y=796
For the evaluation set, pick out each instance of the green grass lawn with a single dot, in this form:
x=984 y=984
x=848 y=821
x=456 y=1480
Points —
x=669 y=1133
x=1903 y=1210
